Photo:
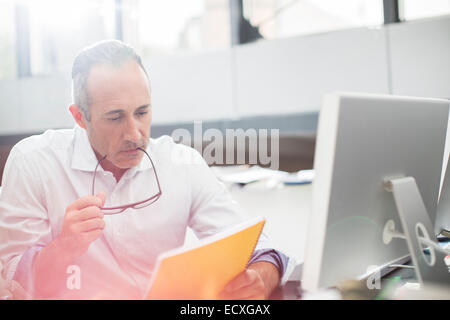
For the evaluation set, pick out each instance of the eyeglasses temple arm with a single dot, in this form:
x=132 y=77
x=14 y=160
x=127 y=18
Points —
x=95 y=172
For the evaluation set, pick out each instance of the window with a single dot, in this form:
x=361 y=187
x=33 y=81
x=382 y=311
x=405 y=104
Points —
x=284 y=18
x=59 y=29
x=8 y=64
x=157 y=27
x=416 y=9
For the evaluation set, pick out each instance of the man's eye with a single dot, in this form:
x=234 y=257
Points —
x=114 y=119
x=142 y=113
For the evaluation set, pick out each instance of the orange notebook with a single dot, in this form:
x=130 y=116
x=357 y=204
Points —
x=201 y=271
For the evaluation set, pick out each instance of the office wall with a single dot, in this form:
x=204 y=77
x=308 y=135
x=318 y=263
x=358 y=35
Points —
x=32 y=105
x=291 y=75
x=420 y=57
x=261 y=79
x=191 y=87
x=420 y=61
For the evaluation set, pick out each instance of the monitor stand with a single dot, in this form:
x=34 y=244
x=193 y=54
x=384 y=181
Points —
x=416 y=223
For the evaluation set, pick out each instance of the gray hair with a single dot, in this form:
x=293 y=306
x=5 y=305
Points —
x=111 y=52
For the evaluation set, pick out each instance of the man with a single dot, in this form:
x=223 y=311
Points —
x=59 y=188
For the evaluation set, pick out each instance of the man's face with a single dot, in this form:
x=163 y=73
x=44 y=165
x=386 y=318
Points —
x=120 y=110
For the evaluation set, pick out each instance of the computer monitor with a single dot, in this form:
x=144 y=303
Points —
x=442 y=224
x=362 y=140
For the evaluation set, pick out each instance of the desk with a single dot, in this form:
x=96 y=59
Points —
x=287 y=211
x=353 y=289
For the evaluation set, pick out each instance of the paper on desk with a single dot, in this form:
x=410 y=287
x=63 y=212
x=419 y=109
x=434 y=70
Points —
x=223 y=171
x=248 y=175
x=245 y=175
x=299 y=177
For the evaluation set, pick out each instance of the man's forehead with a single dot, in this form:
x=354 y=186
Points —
x=109 y=107
x=118 y=86
x=125 y=73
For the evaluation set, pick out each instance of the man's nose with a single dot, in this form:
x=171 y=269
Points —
x=132 y=131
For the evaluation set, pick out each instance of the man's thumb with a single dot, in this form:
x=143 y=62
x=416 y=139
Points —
x=102 y=196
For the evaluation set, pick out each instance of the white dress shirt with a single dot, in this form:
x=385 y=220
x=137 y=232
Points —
x=46 y=173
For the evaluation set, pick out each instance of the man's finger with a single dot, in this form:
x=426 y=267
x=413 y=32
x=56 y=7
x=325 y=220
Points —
x=91 y=224
x=88 y=213
x=244 y=279
x=84 y=202
x=92 y=235
x=251 y=292
x=102 y=196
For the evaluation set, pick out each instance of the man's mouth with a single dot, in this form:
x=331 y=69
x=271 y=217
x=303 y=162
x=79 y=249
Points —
x=130 y=151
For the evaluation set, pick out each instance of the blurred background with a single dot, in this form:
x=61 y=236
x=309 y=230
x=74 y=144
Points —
x=230 y=63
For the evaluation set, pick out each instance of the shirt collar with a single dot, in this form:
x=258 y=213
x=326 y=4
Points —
x=83 y=157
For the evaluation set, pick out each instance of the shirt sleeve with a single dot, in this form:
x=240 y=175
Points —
x=278 y=259
x=213 y=210
x=24 y=226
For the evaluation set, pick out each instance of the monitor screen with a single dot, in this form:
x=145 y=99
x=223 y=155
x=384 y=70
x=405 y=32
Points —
x=362 y=140
x=442 y=224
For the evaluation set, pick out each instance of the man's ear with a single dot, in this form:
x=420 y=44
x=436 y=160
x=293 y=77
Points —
x=78 y=115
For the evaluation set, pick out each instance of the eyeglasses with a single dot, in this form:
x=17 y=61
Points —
x=136 y=205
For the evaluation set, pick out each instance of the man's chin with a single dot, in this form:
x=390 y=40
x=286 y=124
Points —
x=126 y=161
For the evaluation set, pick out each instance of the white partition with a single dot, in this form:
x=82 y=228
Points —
x=35 y=104
x=420 y=57
x=269 y=77
x=191 y=87
x=291 y=75
x=9 y=105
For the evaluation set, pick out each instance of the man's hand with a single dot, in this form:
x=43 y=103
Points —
x=255 y=283
x=83 y=223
